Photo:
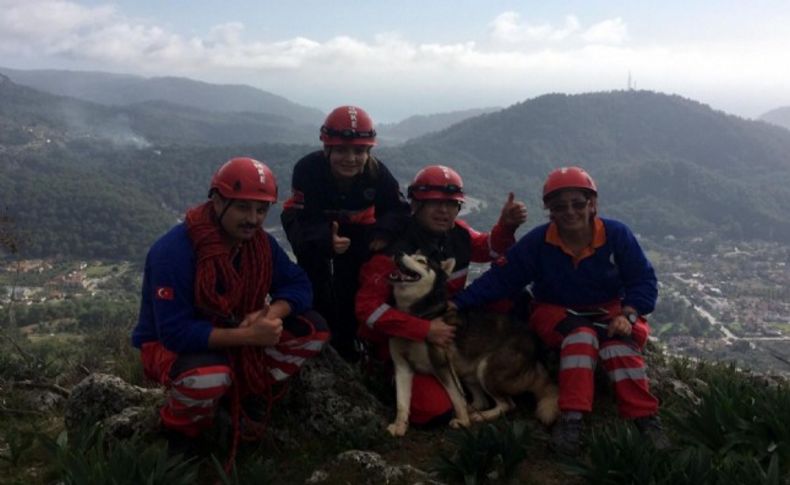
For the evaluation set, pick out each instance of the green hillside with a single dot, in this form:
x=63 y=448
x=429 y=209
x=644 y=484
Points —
x=23 y=109
x=418 y=125
x=667 y=164
x=664 y=164
x=111 y=202
x=778 y=116
x=124 y=89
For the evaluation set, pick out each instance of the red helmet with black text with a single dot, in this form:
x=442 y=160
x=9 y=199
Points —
x=348 y=125
x=568 y=178
x=437 y=182
x=245 y=178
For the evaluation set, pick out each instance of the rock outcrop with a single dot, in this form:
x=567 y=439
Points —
x=326 y=399
x=367 y=467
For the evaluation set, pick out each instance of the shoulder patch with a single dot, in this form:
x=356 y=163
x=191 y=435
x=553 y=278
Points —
x=164 y=293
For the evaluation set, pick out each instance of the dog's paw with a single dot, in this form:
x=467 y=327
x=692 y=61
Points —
x=397 y=429
x=456 y=423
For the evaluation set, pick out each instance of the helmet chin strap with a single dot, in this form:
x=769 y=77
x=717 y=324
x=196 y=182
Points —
x=225 y=208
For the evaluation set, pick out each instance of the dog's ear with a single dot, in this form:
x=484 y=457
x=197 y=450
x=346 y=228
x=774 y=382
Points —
x=448 y=265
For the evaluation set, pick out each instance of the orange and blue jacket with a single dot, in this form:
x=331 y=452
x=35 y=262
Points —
x=613 y=268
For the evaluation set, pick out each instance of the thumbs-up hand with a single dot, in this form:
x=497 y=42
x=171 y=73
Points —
x=339 y=244
x=514 y=212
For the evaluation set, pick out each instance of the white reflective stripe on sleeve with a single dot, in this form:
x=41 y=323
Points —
x=491 y=251
x=206 y=381
x=278 y=374
x=580 y=338
x=314 y=345
x=280 y=357
x=634 y=374
x=577 y=362
x=459 y=274
x=377 y=313
x=618 y=351
x=188 y=401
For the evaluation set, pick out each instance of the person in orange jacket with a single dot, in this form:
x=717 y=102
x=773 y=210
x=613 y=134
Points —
x=592 y=286
x=436 y=195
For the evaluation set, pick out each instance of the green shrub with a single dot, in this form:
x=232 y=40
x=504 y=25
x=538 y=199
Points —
x=259 y=472
x=19 y=442
x=618 y=455
x=739 y=415
x=738 y=432
x=487 y=451
x=86 y=457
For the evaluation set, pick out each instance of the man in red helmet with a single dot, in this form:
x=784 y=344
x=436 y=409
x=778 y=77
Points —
x=222 y=305
x=344 y=203
x=592 y=286
x=436 y=197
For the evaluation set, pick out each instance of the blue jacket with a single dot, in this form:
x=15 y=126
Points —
x=615 y=269
x=167 y=307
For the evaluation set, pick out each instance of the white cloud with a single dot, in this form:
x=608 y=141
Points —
x=611 y=31
x=508 y=28
x=516 y=60
x=28 y=25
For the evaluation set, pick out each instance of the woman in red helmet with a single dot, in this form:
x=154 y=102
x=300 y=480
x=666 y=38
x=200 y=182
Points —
x=592 y=286
x=436 y=197
x=205 y=326
x=344 y=203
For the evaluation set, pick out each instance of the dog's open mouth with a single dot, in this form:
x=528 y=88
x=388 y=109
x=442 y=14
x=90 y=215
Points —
x=403 y=274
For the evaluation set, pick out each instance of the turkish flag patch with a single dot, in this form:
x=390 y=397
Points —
x=164 y=293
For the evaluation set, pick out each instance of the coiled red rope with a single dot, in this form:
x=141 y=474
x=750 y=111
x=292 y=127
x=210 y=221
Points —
x=225 y=289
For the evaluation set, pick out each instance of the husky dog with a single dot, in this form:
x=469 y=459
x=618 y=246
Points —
x=491 y=355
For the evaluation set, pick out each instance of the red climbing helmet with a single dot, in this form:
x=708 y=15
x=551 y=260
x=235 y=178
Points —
x=245 y=178
x=348 y=125
x=568 y=178
x=437 y=182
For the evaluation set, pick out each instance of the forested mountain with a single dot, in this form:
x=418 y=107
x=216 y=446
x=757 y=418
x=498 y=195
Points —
x=664 y=164
x=89 y=200
x=142 y=124
x=123 y=89
x=418 y=125
x=778 y=116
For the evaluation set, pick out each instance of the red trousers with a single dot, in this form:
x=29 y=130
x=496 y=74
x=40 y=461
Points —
x=582 y=346
x=197 y=381
x=429 y=400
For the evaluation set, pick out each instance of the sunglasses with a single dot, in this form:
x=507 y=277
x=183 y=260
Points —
x=576 y=205
x=348 y=134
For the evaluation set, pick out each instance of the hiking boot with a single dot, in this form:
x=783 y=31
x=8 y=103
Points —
x=650 y=427
x=566 y=434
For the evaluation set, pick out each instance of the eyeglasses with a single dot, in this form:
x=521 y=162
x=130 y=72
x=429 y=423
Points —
x=348 y=134
x=576 y=205
x=447 y=189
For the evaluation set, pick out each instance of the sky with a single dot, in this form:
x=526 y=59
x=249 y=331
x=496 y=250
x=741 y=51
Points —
x=407 y=57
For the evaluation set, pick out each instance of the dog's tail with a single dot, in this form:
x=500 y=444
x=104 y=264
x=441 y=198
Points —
x=547 y=396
